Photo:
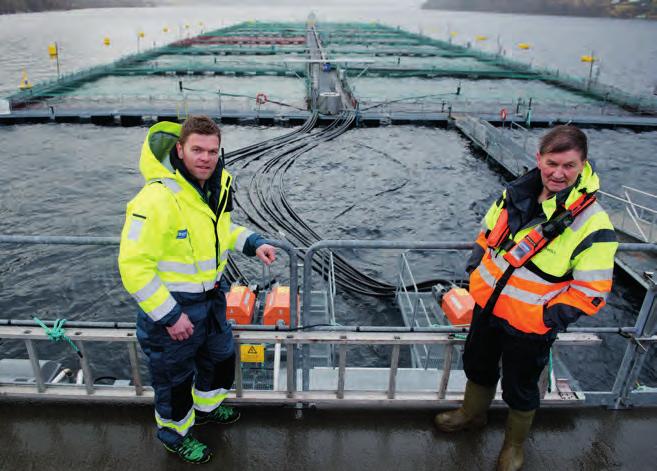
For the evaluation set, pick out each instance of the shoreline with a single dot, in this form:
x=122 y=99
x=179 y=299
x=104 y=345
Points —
x=92 y=5
x=650 y=16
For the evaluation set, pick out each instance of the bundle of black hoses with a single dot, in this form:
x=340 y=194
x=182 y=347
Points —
x=266 y=206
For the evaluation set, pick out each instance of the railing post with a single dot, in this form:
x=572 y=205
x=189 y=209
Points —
x=635 y=353
x=36 y=368
x=86 y=369
x=447 y=370
x=342 y=365
x=291 y=374
x=239 y=386
x=394 y=363
x=134 y=366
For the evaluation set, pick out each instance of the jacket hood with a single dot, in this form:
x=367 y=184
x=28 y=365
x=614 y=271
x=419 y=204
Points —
x=154 y=162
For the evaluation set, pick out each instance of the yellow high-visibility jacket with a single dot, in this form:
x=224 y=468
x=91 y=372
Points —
x=173 y=244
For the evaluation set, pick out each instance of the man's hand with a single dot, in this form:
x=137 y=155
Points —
x=182 y=329
x=266 y=253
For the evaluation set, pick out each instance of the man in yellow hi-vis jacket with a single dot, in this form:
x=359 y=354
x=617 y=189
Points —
x=174 y=247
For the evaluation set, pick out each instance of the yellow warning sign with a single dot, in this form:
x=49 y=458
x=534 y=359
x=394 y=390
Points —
x=252 y=353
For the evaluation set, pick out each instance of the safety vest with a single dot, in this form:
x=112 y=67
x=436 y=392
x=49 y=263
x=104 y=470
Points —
x=172 y=241
x=573 y=269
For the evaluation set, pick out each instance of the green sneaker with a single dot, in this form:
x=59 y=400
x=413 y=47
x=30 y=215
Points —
x=220 y=415
x=191 y=450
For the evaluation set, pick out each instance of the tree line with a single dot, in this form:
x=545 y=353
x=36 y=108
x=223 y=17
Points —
x=17 y=6
x=14 y=6
x=620 y=8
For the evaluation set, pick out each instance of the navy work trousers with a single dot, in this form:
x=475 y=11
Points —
x=523 y=359
x=205 y=362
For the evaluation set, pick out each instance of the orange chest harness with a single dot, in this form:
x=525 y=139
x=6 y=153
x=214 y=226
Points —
x=519 y=253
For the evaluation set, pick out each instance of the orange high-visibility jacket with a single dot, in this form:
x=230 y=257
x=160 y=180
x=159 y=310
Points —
x=571 y=276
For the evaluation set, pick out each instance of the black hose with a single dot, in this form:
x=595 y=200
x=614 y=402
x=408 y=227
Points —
x=265 y=204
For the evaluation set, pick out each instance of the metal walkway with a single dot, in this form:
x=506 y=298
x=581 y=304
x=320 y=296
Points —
x=141 y=116
x=122 y=437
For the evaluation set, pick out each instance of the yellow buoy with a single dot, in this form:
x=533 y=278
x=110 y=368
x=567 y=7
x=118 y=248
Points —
x=165 y=29
x=141 y=34
x=588 y=58
x=106 y=41
x=25 y=82
x=481 y=38
x=201 y=24
x=524 y=46
x=52 y=50
x=186 y=25
x=453 y=34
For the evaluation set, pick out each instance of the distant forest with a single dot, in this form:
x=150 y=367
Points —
x=16 y=6
x=613 y=8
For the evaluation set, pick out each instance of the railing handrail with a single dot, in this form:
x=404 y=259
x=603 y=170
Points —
x=404 y=245
x=640 y=191
x=290 y=340
x=114 y=241
x=371 y=244
x=627 y=202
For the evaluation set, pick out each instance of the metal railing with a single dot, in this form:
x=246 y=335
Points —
x=115 y=241
x=403 y=294
x=637 y=220
x=137 y=392
x=643 y=332
x=513 y=158
x=328 y=273
x=639 y=337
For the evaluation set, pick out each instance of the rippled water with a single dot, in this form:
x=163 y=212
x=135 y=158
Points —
x=388 y=183
x=627 y=49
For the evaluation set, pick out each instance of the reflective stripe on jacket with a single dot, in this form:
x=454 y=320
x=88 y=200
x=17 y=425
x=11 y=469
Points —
x=172 y=241
x=571 y=276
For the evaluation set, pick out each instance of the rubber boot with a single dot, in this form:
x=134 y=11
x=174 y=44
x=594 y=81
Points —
x=517 y=428
x=472 y=414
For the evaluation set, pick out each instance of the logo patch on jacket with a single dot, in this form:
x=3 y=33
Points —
x=182 y=234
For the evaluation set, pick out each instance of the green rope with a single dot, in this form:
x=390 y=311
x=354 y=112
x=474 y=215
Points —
x=57 y=333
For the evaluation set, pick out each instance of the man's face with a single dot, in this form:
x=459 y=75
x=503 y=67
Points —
x=200 y=154
x=559 y=170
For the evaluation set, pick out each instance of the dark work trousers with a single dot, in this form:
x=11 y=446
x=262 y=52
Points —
x=523 y=359
x=205 y=361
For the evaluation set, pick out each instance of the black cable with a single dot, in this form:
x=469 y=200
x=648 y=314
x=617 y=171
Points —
x=265 y=204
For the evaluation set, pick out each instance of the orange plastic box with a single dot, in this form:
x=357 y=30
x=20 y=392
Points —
x=240 y=304
x=458 y=305
x=277 y=306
